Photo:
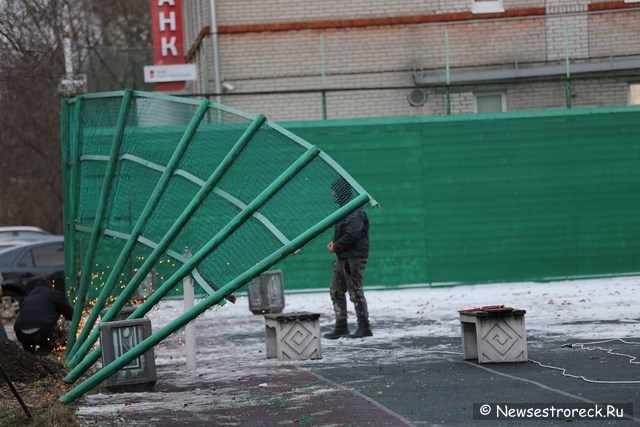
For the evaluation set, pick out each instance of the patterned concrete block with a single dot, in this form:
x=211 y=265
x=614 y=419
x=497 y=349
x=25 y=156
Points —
x=293 y=336
x=494 y=335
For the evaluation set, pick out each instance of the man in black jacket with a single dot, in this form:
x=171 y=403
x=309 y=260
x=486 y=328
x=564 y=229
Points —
x=351 y=245
x=36 y=325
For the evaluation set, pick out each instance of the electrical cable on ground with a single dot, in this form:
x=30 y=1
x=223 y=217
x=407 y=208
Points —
x=610 y=351
x=582 y=346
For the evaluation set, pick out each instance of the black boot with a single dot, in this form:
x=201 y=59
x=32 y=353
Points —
x=338 y=331
x=361 y=333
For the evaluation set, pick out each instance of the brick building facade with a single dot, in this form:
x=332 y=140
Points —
x=302 y=60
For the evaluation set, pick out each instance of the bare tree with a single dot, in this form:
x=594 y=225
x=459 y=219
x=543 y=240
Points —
x=114 y=44
x=111 y=40
x=31 y=64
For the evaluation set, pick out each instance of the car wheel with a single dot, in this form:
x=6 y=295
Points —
x=9 y=306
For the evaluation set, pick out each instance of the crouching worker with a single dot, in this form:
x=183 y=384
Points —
x=37 y=324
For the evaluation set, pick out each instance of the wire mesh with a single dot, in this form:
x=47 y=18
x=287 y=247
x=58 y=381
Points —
x=175 y=189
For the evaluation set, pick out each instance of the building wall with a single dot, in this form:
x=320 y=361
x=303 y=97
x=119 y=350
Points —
x=271 y=11
x=292 y=59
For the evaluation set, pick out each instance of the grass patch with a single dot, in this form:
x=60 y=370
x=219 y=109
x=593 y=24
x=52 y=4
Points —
x=41 y=399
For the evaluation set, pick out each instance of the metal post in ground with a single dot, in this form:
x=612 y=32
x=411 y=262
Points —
x=15 y=392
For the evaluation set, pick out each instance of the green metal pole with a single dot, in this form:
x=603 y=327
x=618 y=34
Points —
x=65 y=144
x=125 y=254
x=448 y=73
x=214 y=299
x=323 y=94
x=151 y=260
x=100 y=212
x=215 y=241
x=567 y=86
x=71 y=269
x=447 y=101
x=205 y=73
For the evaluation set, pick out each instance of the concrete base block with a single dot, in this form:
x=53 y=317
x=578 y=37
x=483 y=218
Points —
x=293 y=336
x=117 y=338
x=494 y=336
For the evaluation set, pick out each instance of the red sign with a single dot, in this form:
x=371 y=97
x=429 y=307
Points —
x=168 y=40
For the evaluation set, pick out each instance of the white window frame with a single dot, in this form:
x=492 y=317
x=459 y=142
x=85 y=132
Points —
x=503 y=100
x=487 y=6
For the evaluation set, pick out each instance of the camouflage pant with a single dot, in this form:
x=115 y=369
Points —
x=347 y=278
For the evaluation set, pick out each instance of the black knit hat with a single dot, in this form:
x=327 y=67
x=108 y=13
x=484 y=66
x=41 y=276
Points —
x=342 y=191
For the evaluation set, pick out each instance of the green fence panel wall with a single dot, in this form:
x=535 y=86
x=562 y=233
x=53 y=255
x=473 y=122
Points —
x=487 y=198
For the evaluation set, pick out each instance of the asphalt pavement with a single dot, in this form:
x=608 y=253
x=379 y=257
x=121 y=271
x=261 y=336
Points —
x=417 y=380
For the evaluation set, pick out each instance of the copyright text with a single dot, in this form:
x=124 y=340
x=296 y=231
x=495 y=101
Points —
x=552 y=411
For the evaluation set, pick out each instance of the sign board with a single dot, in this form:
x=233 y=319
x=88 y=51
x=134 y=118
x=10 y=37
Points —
x=169 y=73
x=168 y=44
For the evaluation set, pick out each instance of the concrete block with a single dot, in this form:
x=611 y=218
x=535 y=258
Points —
x=494 y=335
x=293 y=336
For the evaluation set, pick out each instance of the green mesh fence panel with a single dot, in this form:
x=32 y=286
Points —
x=163 y=188
x=468 y=199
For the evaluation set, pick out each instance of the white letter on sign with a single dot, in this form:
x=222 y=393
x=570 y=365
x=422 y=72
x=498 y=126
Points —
x=171 y=20
x=167 y=46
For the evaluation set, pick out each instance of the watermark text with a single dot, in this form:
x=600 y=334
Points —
x=552 y=411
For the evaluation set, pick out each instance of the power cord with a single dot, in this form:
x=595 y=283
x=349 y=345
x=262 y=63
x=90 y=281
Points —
x=583 y=346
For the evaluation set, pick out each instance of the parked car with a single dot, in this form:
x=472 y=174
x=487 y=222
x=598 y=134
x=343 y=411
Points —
x=6 y=244
x=19 y=232
x=24 y=262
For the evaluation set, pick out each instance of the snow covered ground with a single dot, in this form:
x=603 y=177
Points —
x=564 y=311
x=585 y=309
x=230 y=339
